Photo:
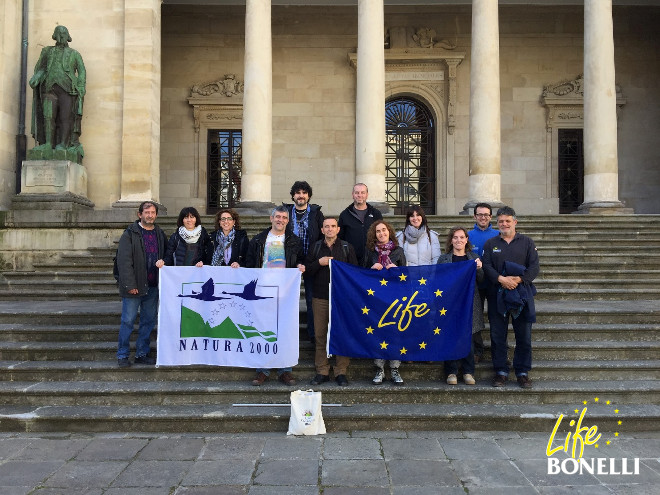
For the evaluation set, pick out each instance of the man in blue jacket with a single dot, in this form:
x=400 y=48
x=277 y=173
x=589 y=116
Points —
x=510 y=246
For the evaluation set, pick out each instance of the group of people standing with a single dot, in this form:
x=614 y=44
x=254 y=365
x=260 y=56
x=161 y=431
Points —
x=301 y=237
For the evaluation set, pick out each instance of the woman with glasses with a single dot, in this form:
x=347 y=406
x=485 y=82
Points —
x=420 y=244
x=230 y=242
x=190 y=245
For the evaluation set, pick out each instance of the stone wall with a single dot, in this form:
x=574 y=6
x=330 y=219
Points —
x=10 y=50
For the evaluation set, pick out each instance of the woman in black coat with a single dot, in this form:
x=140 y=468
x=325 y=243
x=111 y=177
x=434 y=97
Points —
x=230 y=242
x=190 y=245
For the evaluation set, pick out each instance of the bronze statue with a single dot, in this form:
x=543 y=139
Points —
x=59 y=89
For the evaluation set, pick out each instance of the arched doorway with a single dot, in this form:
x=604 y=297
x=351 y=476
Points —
x=409 y=155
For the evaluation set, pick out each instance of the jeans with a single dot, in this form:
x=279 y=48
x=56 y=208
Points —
x=280 y=371
x=148 y=307
x=451 y=367
x=499 y=327
x=308 y=303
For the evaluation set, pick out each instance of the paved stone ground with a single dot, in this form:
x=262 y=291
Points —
x=358 y=462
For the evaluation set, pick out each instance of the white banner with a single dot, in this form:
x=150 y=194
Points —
x=245 y=317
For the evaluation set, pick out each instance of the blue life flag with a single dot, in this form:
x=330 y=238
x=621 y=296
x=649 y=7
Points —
x=414 y=313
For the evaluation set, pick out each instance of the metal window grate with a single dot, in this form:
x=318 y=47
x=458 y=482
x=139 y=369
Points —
x=224 y=169
x=570 y=170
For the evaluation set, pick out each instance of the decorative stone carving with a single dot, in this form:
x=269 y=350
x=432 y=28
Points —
x=565 y=88
x=424 y=37
x=228 y=87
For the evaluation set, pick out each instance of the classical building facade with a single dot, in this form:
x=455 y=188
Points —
x=551 y=107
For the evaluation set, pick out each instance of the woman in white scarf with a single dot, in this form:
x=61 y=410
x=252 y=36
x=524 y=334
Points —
x=190 y=245
x=420 y=244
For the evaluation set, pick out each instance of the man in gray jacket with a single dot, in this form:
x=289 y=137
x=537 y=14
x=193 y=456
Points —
x=141 y=246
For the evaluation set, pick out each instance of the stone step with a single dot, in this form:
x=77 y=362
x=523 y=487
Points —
x=29 y=332
x=96 y=351
x=634 y=283
x=170 y=393
x=567 y=273
x=227 y=418
x=600 y=294
x=360 y=370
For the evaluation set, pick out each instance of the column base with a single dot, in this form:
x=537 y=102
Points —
x=603 y=208
x=468 y=208
x=255 y=208
x=43 y=201
x=134 y=205
x=383 y=207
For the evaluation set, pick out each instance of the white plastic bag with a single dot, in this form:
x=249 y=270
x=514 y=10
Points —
x=306 y=417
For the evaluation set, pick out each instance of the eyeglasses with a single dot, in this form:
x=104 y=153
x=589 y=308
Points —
x=483 y=215
x=226 y=219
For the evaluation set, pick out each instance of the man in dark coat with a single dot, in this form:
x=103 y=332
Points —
x=141 y=247
x=355 y=220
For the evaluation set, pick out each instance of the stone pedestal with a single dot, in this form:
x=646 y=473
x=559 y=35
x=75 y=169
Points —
x=52 y=185
x=254 y=207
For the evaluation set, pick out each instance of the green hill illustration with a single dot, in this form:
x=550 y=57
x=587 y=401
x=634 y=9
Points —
x=193 y=325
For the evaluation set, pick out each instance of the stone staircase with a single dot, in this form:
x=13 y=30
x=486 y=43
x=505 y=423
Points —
x=597 y=336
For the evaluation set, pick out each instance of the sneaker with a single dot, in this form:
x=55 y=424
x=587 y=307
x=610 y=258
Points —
x=524 y=381
x=319 y=379
x=378 y=379
x=396 y=377
x=287 y=379
x=145 y=360
x=468 y=379
x=259 y=379
x=123 y=362
x=499 y=380
x=451 y=379
x=341 y=380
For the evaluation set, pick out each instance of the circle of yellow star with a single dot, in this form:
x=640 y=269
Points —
x=619 y=423
x=365 y=311
x=616 y=433
x=576 y=411
x=370 y=292
x=616 y=411
x=584 y=402
x=404 y=350
x=436 y=331
x=422 y=281
x=443 y=312
x=383 y=282
x=595 y=399
x=402 y=277
x=608 y=403
x=422 y=345
x=383 y=345
x=370 y=330
x=608 y=442
x=596 y=445
x=438 y=292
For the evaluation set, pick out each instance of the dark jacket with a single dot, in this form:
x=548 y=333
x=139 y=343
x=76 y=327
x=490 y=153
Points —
x=314 y=223
x=239 y=247
x=292 y=250
x=477 y=309
x=355 y=232
x=321 y=281
x=132 y=260
x=397 y=257
x=175 y=254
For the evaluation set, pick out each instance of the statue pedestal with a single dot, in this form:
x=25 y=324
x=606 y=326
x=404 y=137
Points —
x=53 y=185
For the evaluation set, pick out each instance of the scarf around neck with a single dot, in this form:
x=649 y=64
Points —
x=384 y=251
x=412 y=234
x=190 y=236
x=222 y=252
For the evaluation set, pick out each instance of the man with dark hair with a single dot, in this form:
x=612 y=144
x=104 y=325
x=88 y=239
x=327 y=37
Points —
x=511 y=263
x=355 y=220
x=141 y=245
x=317 y=267
x=478 y=236
x=306 y=222
x=276 y=247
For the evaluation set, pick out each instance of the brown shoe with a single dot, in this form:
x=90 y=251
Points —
x=524 y=381
x=259 y=379
x=499 y=380
x=287 y=379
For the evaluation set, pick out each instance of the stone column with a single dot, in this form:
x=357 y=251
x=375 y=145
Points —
x=370 y=101
x=257 y=109
x=484 y=106
x=140 y=154
x=601 y=168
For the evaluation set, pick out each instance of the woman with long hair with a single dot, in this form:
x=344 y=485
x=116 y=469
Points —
x=420 y=244
x=458 y=249
x=230 y=242
x=383 y=253
x=190 y=245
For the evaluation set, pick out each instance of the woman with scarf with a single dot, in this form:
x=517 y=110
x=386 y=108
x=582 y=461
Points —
x=190 y=245
x=420 y=244
x=230 y=242
x=459 y=249
x=383 y=253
